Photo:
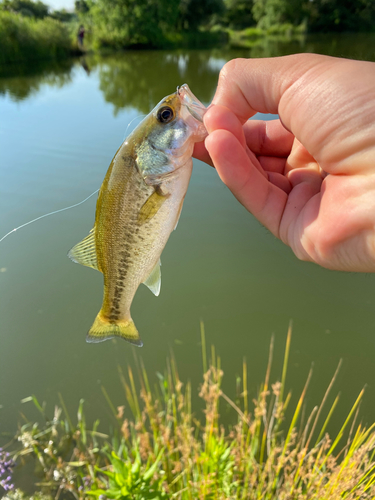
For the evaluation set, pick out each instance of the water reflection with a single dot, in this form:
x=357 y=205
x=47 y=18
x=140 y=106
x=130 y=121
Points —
x=275 y=45
x=350 y=45
x=20 y=82
x=85 y=65
x=131 y=79
x=138 y=79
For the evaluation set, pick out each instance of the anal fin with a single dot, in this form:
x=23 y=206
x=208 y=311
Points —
x=178 y=214
x=153 y=282
x=84 y=252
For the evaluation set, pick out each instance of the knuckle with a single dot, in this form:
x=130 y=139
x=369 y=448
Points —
x=231 y=69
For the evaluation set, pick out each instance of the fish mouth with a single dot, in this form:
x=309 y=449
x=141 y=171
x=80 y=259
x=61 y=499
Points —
x=188 y=99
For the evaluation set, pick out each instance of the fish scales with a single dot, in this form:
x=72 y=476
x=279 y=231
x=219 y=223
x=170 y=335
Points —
x=138 y=206
x=128 y=250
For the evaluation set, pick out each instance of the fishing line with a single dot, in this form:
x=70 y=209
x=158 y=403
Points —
x=47 y=215
x=71 y=206
x=127 y=128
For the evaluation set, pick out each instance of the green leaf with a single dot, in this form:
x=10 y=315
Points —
x=120 y=480
x=124 y=491
x=108 y=473
x=82 y=422
x=115 y=494
x=95 y=493
x=118 y=464
x=136 y=467
x=151 y=471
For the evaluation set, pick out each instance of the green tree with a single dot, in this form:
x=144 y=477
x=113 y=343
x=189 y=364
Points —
x=195 y=13
x=121 y=23
x=341 y=15
x=81 y=7
x=238 y=14
x=268 y=13
x=147 y=23
x=63 y=15
x=29 y=8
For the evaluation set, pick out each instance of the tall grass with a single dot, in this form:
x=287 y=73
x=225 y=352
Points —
x=167 y=451
x=23 y=39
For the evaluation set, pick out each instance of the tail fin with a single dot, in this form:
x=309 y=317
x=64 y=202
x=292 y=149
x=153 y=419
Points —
x=102 y=330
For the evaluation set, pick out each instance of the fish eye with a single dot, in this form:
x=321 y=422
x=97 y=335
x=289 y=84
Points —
x=165 y=114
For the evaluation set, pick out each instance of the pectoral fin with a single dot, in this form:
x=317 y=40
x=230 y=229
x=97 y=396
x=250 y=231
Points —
x=152 y=206
x=85 y=251
x=153 y=282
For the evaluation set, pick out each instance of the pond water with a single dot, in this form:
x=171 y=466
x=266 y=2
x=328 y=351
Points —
x=59 y=129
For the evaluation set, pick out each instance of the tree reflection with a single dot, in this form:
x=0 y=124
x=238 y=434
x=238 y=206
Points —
x=349 y=45
x=140 y=79
x=22 y=81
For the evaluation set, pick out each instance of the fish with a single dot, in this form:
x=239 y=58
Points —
x=138 y=206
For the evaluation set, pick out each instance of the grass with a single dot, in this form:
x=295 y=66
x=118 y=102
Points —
x=165 y=451
x=23 y=39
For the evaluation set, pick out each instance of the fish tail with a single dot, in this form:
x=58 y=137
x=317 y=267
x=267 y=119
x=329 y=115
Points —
x=102 y=329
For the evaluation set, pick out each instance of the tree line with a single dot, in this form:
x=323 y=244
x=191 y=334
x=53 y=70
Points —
x=139 y=21
x=157 y=23
x=318 y=15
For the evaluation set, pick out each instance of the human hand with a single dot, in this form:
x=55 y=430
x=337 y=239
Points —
x=278 y=169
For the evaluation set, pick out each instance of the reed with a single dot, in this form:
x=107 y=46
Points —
x=24 y=39
x=165 y=451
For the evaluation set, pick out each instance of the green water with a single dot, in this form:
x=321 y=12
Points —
x=59 y=129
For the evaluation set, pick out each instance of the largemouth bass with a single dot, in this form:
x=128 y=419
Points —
x=138 y=206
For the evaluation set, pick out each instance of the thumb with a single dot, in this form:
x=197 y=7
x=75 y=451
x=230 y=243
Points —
x=327 y=103
x=247 y=86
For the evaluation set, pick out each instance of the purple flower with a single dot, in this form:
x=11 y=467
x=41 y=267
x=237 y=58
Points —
x=6 y=470
x=87 y=481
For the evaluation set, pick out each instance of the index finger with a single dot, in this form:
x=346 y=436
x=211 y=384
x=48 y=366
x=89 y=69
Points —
x=268 y=138
x=263 y=138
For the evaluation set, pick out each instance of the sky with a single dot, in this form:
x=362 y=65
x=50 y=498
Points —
x=60 y=4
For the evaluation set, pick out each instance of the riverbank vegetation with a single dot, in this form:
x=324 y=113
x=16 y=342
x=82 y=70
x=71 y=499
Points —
x=230 y=447
x=23 y=39
x=28 y=30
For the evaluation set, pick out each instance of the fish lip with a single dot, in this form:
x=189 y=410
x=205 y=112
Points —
x=197 y=113
x=188 y=99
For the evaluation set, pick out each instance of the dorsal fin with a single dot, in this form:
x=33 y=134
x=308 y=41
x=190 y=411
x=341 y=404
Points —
x=153 y=282
x=84 y=252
